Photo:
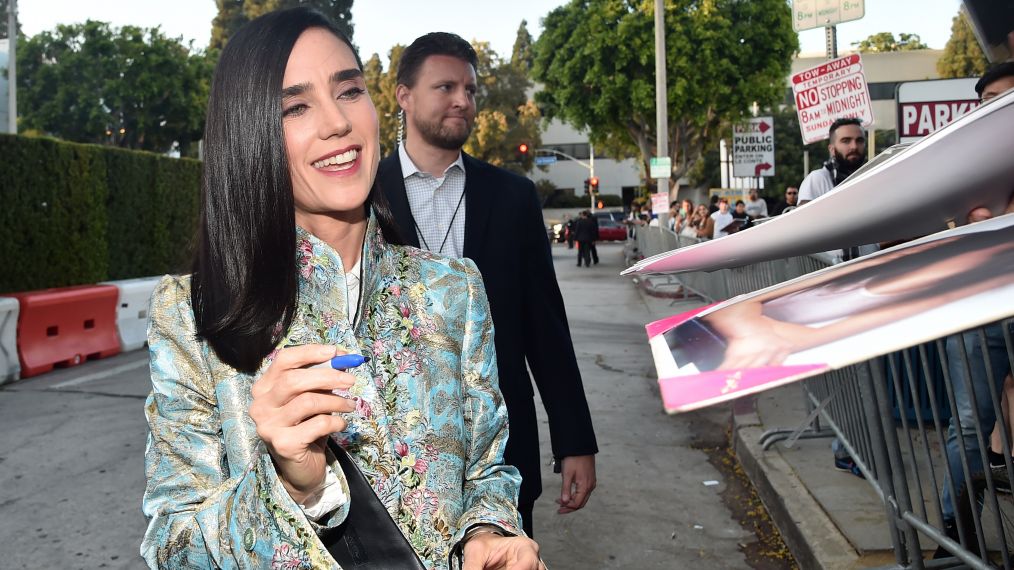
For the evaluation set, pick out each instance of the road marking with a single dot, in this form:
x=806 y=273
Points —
x=103 y=374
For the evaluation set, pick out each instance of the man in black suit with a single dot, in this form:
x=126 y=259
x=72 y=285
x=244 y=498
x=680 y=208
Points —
x=586 y=231
x=451 y=203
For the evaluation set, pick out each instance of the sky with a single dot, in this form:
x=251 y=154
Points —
x=380 y=24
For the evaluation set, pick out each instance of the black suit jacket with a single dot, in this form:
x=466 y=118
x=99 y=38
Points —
x=506 y=238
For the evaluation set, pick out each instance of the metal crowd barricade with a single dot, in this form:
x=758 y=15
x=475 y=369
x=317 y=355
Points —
x=894 y=416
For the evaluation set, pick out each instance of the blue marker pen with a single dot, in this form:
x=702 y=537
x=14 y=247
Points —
x=344 y=362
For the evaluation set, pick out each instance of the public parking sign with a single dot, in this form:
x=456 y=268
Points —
x=753 y=148
x=926 y=106
x=830 y=91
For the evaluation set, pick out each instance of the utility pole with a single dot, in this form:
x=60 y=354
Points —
x=12 y=73
x=661 y=103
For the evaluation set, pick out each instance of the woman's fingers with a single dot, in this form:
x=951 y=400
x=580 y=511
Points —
x=304 y=355
x=291 y=358
x=305 y=380
x=290 y=443
x=309 y=404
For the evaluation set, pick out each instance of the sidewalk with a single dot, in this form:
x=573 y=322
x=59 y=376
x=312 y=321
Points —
x=659 y=503
x=828 y=518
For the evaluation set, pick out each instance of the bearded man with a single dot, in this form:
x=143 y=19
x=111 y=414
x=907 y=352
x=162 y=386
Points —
x=848 y=152
x=455 y=205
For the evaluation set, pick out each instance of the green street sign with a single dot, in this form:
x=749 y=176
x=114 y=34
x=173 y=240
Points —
x=661 y=167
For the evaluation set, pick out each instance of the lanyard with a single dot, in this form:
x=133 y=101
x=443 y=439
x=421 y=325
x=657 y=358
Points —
x=450 y=226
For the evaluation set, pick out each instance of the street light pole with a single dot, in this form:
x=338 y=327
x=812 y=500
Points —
x=590 y=165
x=12 y=72
x=661 y=102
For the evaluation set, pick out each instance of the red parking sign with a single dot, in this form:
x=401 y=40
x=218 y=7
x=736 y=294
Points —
x=829 y=91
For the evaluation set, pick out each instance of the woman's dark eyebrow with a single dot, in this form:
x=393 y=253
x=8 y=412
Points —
x=336 y=77
x=345 y=75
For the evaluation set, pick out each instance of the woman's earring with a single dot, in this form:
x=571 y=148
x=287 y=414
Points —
x=401 y=126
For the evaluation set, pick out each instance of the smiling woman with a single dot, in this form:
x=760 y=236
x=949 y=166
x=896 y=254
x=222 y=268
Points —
x=259 y=457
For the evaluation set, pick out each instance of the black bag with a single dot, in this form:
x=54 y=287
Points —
x=369 y=539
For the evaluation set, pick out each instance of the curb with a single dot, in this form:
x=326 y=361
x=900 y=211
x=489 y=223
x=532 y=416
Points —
x=813 y=538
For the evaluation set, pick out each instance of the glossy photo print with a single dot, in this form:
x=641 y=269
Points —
x=893 y=299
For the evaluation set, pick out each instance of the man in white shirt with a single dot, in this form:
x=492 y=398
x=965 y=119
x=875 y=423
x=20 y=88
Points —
x=722 y=218
x=453 y=204
x=847 y=151
x=756 y=207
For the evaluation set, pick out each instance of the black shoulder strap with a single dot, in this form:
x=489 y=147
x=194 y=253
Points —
x=369 y=538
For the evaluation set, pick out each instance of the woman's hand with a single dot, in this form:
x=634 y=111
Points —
x=488 y=551
x=292 y=408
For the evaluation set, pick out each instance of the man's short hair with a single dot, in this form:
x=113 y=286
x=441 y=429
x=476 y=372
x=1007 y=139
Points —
x=720 y=200
x=998 y=71
x=435 y=43
x=841 y=122
x=740 y=202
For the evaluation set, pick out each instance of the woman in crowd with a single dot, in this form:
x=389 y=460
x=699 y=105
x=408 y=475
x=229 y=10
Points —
x=295 y=263
x=701 y=224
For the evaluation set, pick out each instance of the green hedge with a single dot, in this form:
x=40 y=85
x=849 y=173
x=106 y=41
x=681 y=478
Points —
x=72 y=214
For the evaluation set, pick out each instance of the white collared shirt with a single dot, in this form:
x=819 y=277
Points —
x=433 y=202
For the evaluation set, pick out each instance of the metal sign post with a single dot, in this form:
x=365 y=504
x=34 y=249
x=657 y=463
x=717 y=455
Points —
x=12 y=71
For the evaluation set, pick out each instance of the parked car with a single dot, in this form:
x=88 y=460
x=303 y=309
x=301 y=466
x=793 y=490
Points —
x=615 y=215
x=611 y=230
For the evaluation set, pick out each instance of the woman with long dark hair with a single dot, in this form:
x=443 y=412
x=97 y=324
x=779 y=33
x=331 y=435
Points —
x=295 y=265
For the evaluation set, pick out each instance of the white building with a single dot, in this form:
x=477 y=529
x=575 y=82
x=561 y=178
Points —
x=619 y=177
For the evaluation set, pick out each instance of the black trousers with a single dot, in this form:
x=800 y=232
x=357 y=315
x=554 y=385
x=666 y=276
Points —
x=584 y=249
x=526 y=518
x=523 y=452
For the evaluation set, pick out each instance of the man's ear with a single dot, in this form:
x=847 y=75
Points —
x=403 y=95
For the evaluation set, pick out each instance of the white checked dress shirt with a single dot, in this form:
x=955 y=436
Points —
x=433 y=202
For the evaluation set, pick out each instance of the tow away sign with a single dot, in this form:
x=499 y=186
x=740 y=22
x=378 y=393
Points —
x=753 y=148
x=830 y=91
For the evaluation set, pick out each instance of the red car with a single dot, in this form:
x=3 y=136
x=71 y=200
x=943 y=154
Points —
x=611 y=230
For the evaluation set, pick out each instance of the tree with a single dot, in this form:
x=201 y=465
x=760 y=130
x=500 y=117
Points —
x=595 y=60
x=232 y=14
x=884 y=41
x=131 y=87
x=381 y=86
x=963 y=55
x=506 y=117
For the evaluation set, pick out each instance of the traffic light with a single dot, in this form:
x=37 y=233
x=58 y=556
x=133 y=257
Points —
x=593 y=184
x=587 y=185
x=523 y=149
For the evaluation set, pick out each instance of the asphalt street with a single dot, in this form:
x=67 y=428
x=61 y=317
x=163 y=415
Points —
x=71 y=454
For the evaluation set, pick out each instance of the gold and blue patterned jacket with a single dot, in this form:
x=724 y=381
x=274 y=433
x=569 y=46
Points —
x=429 y=430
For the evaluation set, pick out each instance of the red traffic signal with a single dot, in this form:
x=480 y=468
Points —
x=523 y=148
x=594 y=183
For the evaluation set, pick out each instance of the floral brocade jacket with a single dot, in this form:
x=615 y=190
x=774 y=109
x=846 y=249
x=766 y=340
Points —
x=429 y=429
